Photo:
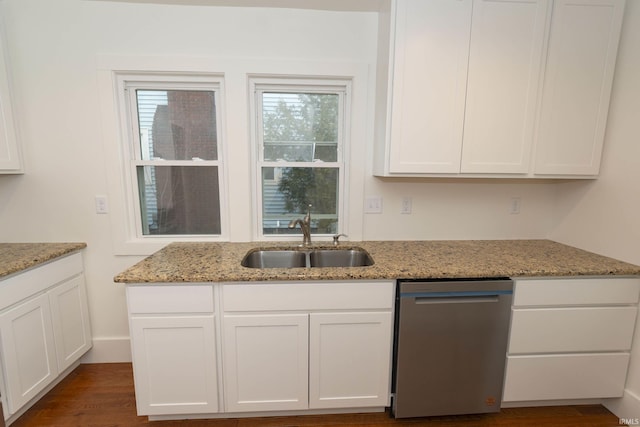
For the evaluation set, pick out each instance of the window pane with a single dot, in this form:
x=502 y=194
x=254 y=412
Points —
x=286 y=193
x=179 y=199
x=177 y=124
x=300 y=126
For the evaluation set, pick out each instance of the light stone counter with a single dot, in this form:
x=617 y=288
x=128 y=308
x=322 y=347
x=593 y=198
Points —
x=220 y=262
x=17 y=257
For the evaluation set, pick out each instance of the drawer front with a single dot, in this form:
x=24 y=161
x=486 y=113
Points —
x=170 y=299
x=558 y=377
x=578 y=329
x=592 y=291
x=38 y=279
x=303 y=296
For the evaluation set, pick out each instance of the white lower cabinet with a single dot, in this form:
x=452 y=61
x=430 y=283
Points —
x=570 y=338
x=334 y=351
x=173 y=345
x=28 y=350
x=565 y=376
x=44 y=329
x=348 y=359
x=266 y=362
x=284 y=346
x=70 y=315
x=175 y=370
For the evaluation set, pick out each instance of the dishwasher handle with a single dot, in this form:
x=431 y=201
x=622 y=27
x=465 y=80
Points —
x=457 y=300
x=455 y=297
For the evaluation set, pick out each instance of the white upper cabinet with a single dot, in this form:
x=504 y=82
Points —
x=10 y=161
x=429 y=79
x=581 y=57
x=494 y=88
x=502 y=85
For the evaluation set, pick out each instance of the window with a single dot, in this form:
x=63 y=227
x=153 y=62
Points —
x=299 y=134
x=175 y=170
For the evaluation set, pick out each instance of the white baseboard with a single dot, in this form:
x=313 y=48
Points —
x=535 y=403
x=626 y=408
x=109 y=350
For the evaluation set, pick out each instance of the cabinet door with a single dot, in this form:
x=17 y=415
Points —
x=350 y=360
x=70 y=316
x=265 y=362
x=583 y=44
x=9 y=154
x=507 y=39
x=174 y=361
x=28 y=350
x=429 y=80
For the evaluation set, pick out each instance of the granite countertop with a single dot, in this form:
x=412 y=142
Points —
x=16 y=257
x=220 y=262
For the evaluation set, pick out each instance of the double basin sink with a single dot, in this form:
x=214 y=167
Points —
x=306 y=258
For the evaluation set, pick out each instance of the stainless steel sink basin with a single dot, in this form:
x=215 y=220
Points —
x=306 y=258
x=274 y=259
x=355 y=257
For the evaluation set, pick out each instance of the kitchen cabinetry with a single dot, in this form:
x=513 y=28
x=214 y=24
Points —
x=570 y=338
x=173 y=344
x=28 y=350
x=349 y=359
x=460 y=83
x=581 y=58
x=10 y=160
x=505 y=56
x=333 y=352
x=266 y=362
x=44 y=328
x=283 y=346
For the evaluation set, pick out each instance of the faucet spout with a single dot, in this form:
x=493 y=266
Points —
x=305 y=226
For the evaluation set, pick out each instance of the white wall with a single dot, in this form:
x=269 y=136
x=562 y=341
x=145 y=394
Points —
x=603 y=216
x=56 y=49
x=459 y=209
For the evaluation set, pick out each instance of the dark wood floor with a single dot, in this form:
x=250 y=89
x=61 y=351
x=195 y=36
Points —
x=101 y=395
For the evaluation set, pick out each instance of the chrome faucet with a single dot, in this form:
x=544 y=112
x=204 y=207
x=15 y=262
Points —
x=336 y=238
x=305 y=226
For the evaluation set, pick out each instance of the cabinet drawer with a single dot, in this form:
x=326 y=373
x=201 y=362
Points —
x=557 y=377
x=592 y=291
x=170 y=299
x=303 y=296
x=38 y=279
x=551 y=330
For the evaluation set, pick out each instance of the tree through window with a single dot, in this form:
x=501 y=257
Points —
x=300 y=135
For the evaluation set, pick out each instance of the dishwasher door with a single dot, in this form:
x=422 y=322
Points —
x=450 y=346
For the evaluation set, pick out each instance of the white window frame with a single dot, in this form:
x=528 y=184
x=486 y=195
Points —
x=126 y=86
x=342 y=87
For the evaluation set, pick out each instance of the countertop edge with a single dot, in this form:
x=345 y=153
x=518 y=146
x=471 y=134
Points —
x=17 y=258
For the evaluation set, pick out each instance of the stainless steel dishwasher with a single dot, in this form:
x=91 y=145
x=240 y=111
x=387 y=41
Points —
x=450 y=346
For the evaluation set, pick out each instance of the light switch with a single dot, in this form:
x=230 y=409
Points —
x=373 y=204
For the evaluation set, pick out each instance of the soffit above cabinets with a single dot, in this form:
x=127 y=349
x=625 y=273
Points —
x=332 y=5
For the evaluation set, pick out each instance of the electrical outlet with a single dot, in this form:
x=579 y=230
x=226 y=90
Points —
x=373 y=204
x=515 y=205
x=102 y=206
x=406 y=205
